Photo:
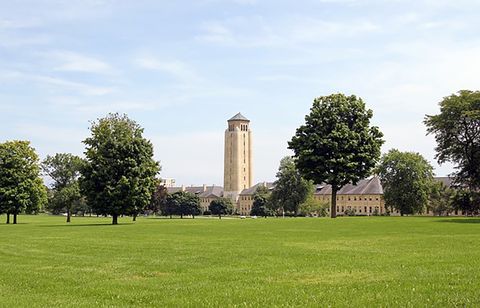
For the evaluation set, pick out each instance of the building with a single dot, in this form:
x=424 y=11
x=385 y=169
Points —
x=238 y=173
x=168 y=182
x=365 y=198
x=245 y=199
x=206 y=193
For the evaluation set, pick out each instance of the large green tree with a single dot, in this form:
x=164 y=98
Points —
x=407 y=180
x=290 y=189
x=21 y=188
x=457 y=133
x=64 y=170
x=221 y=206
x=337 y=145
x=118 y=177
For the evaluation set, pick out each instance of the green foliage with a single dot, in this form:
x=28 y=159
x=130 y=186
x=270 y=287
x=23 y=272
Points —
x=337 y=145
x=158 y=203
x=466 y=201
x=221 y=206
x=406 y=179
x=440 y=199
x=182 y=203
x=64 y=170
x=290 y=189
x=313 y=207
x=456 y=130
x=119 y=174
x=21 y=188
x=261 y=201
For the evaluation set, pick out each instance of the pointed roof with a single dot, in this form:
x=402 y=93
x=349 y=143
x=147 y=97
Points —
x=239 y=117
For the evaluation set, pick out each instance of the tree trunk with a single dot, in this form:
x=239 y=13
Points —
x=114 y=219
x=181 y=216
x=135 y=217
x=14 y=218
x=333 y=208
x=219 y=216
x=170 y=216
x=8 y=218
x=68 y=215
x=193 y=216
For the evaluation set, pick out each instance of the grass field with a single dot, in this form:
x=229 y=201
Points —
x=370 y=261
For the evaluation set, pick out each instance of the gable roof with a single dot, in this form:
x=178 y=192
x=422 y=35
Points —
x=200 y=191
x=370 y=186
x=253 y=189
x=239 y=117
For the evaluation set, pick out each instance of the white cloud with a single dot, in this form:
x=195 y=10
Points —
x=71 y=61
x=175 y=68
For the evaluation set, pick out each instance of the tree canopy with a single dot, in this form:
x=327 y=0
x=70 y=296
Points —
x=182 y=203
x=221 y=206
x=290 y=189
x=64 y=170
x=337 y=145
x=407 y=180
x=457 y=133
x=21 y=188
x=119 y=174
x=261 y=203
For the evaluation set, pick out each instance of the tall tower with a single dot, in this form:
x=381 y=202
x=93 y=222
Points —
x=238 y=157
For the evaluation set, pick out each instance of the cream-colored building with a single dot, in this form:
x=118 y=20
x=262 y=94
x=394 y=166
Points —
x=365 y=198
x=238 y=173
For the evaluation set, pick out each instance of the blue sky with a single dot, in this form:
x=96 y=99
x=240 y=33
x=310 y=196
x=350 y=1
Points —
x=182 y=68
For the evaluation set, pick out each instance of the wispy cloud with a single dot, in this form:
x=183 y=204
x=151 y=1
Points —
x=76 y=62
x=175 y=68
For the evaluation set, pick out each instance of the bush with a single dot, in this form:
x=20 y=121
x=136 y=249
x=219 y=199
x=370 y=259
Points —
x=207 y=212
x=349 y=212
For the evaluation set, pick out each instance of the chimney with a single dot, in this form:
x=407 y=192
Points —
x=183 y=187
x=204 y=187
x=264 y=184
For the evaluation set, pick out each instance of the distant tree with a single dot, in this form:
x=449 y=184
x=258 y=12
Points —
x=440 y=199
x=64 y=170
x=456 y=129
x=119 y=175
x=221 y=206
x=336 y=145
x=182 y=203
x=159 y=199
x=466 y=201
x=261 y=199
x=312 y=206
x=407 y=179
x=21 y=188
x=290 y=189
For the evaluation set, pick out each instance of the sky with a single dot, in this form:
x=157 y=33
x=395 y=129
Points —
x=181 y=69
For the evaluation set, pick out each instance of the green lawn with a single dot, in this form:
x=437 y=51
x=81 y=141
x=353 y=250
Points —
x=369 y=261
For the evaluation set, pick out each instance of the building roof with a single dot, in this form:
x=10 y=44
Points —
x=253 y=189
x=212 y=192
x=239 y=117
x=370 y=186
x=201 y=191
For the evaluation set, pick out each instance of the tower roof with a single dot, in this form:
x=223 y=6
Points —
x=239 y=117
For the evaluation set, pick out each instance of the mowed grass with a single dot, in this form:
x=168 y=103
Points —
x=369 y=261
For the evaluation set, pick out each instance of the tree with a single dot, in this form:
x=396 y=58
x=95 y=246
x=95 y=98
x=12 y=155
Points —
x=21 y=188
x=118 y=177
x=312 y=206
x=336 y=145
x=457 y=133
x=64 y=170
x=261 y=199
x=221 y=206
x=159 y=199
x=466 y=201
x=440 y=199
x=290 y=189
x=182 y=203
x=407 y=179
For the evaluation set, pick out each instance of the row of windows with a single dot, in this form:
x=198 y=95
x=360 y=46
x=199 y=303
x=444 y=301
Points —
x=246 y=198
x=350 y=199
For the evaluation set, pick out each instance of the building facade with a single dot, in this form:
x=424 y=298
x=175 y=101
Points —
x=238 y=172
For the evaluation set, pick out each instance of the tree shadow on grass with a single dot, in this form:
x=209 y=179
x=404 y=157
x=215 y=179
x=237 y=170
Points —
x=86 y=225
x=462 y=220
